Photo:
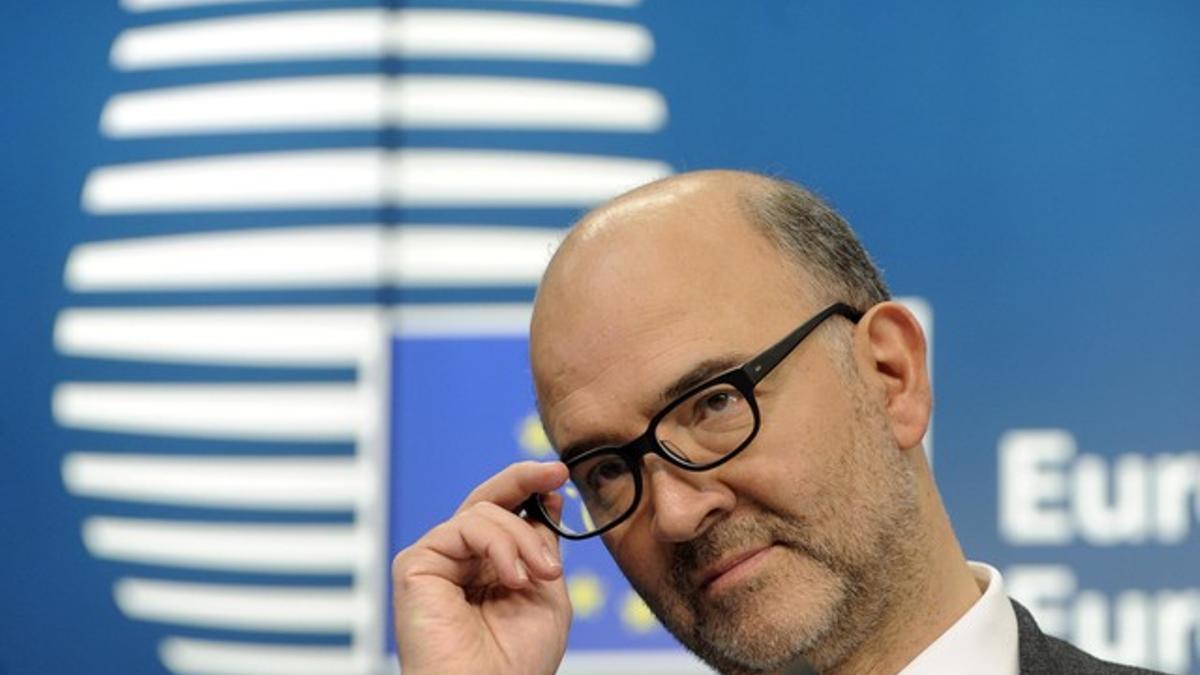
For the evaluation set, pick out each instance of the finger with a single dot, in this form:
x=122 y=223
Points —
x=552 y=504
x=515 y=483
x=455 y=549
x=499 y=547
x=540 y=555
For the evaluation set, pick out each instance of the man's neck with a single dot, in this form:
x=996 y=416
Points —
x=940 y=589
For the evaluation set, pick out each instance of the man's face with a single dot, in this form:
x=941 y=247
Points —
x=785 y=549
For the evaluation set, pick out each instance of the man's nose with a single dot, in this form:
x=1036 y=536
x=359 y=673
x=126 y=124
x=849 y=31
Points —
x=683 y=503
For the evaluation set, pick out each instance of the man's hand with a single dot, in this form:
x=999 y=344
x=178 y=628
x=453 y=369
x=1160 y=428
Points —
x=483 y=592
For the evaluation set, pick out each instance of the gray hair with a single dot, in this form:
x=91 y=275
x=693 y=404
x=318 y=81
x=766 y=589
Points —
x=816 y=239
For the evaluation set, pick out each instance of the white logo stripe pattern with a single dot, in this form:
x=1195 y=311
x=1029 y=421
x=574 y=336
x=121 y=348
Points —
x=223 y=481
x=377 y=33
x=336 y=256
x=357 y=178
x=306 y=415
x=374 y=101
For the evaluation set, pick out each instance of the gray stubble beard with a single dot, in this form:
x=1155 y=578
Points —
x=864 y=591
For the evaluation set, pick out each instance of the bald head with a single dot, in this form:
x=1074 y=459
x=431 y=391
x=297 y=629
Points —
x=679 y=245
x=698 y=195
x=812 y=237
x=702 y=244
x=674 y=192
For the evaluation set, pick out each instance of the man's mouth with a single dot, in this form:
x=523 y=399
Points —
x=732 y=568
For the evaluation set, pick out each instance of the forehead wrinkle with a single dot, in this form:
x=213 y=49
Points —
x=572 y=354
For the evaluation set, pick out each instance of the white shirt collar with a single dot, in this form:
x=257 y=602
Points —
x=984 y=639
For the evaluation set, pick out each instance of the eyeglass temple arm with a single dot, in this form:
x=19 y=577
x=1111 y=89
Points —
x=762 y=365
x=530 y=508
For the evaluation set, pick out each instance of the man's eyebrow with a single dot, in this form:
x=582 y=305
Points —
x=584 y=444
x=702 y=371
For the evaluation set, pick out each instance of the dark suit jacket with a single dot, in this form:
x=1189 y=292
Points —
x=1042 y=654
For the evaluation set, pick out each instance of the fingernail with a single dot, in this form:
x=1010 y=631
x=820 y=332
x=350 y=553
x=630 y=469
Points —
x=522 y=573
x=550 y=558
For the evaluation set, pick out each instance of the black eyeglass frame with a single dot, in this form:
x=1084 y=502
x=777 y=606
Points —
x=744 y=378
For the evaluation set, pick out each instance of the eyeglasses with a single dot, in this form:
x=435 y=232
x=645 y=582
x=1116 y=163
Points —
x=702 y=429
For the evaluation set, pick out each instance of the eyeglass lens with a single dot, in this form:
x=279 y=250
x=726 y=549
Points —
x=706 y=426
x=697 y=431
x=601 y=489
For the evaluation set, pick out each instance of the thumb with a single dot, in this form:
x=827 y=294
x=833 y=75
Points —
x=553 y=504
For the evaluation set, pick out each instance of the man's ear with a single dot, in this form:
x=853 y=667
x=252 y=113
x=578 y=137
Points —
x=889 y=346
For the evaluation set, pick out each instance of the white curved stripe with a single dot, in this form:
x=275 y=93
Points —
x=308 y=257
x=469 y=256
x=320 y=179
x=155 y=5
x=296 y=412
x=482 y=178
x=414 y=33
x=235 y=482
x=325 y=256
x=284 y=548
x=375 y=33
x=242 y=607
x=258 y=336
x=345 y=34
x=354 y=101
x=481 y=102
x=365 y=178
x=369 y=101
x=189 y=656
x=462 y=320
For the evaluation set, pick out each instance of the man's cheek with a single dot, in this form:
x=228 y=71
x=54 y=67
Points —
x=645 y=564
x=616 y=543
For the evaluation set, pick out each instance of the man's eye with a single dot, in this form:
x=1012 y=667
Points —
x=605 y=473
x=719 y=401
x=715 y=403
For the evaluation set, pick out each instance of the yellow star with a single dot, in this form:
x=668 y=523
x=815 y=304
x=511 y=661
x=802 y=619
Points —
x=636 y=616
x=532 y=437
x=587 y=594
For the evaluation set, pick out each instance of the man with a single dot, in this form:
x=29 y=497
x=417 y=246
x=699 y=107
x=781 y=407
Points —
x=740 y=410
